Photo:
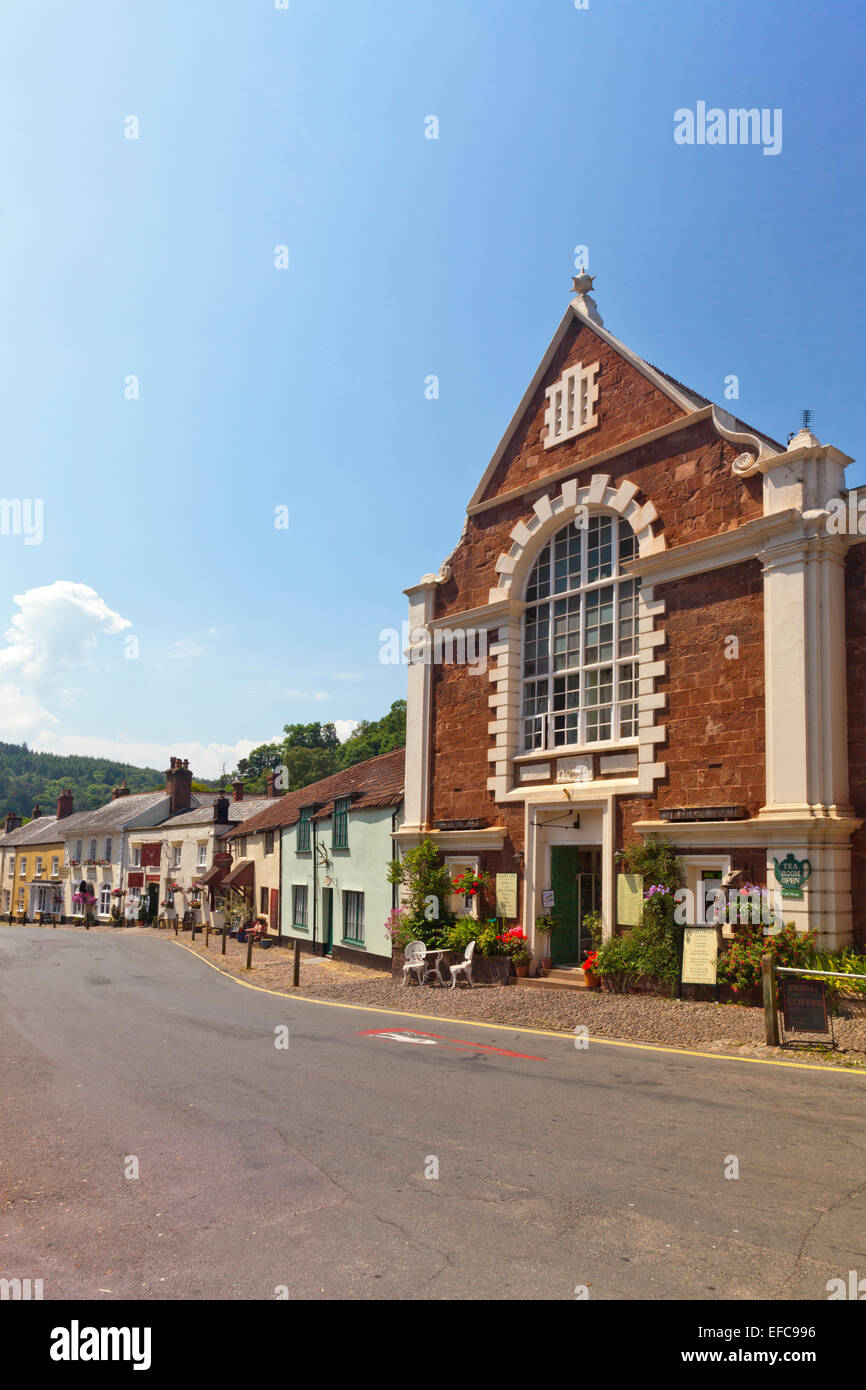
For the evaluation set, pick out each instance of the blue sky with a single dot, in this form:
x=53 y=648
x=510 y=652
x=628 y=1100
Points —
x=408 y=257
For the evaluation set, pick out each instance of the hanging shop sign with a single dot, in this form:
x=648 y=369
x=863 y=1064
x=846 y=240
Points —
x=791 y=874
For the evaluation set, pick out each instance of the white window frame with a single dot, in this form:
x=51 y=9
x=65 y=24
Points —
x=55 y=865
x=462 y=905
x=136 y=857
x=201 y=854
x=103 y=903
x=108 y=847
x=538 y=726
x=176 y=854
x=37 y=872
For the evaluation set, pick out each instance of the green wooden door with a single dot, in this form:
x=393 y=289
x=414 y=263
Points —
x=564 y=865
x=327 y=920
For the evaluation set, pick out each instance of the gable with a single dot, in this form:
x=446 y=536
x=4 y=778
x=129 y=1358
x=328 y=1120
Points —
x=625 y=397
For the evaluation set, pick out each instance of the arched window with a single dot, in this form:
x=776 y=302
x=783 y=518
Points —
x=580 y=669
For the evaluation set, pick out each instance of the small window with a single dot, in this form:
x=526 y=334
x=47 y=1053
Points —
x=92 y=849
x=571 y=404
x=108 y=847
x=269 y=842
x=242 y=846
x=12 y=867
x=22 y=867
x=353 y=917
x=304 y=830
x=79 y=846
x=38 y=873
x=55 y=865
x=136 y=856
x=263 y=901
x=299 y=905
x=104 y=899
x=175 y=856
x=341 y=823
x=201 y=854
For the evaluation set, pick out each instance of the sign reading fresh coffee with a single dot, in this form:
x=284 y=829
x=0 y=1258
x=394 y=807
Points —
x=791 y=874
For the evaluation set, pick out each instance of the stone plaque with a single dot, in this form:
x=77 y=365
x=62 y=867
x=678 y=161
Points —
x=618 y=762
x=629 y=899
x=700 y=954
x=535 y=772
x=574 y=770
x=506 y=895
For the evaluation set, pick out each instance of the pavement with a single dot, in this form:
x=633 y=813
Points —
x=158 y=1139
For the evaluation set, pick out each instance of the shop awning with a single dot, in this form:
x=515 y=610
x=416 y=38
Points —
x=241 y=875
x=215 y=875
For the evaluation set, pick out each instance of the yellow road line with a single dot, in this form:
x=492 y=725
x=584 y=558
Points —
x=516 y=1027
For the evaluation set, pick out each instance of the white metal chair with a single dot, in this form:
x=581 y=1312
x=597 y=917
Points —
x=415 y=954
x=464 y=967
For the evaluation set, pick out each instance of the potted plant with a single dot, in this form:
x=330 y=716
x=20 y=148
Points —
x=590 y=973
x=547 y=925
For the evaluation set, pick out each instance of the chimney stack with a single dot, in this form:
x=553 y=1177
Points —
x=272 y=785
x=237 y=790
x=122 y=790
x=178 y=785
x=221 y=810
x=64 y=804
x=13 y=821
x=36 y=812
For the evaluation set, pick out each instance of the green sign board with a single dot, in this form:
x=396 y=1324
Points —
x=791 y=874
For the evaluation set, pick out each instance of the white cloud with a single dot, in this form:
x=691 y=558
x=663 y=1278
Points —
x=56 y=631
x=308 y=694
x=344 y=728
x=205 y=759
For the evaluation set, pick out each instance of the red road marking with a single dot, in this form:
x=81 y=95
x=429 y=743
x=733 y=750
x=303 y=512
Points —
x=449 y=1042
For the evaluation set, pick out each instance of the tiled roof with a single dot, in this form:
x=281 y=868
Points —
x=376 y=782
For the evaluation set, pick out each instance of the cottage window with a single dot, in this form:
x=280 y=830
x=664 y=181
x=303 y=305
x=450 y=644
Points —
x=175 y=856
x=353 y=917
x=580 y=641
x=304 y=829
x=78 y=848
x=269 y=842
x=201 y=854
x=299 y=905
x=341 y=823
x=38 y=872
x=108 y=845
x=136 y=856
x=55 y=865
x=22 y=867
x=92 y=849
x=104 y=899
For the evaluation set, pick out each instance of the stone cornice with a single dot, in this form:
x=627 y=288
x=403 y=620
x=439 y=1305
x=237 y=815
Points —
x=716 y=552
x=758 y=831
x=487 y=614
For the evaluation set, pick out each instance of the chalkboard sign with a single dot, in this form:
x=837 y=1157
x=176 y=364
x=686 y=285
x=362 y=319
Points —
x=805 y=1005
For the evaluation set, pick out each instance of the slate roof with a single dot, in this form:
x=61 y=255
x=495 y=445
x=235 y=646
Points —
x=376 y=782
x=203 y=815
x=114 y=815
x=41 y=831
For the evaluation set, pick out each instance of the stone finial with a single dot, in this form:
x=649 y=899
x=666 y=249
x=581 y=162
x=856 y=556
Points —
x=583 y=300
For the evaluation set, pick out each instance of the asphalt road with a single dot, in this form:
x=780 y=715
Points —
x=303 y=1168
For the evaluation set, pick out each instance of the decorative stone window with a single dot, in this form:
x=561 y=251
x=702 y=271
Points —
x=571 y=407
x=580 y=639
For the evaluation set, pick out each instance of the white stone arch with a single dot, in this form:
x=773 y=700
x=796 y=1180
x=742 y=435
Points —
x=550 y=514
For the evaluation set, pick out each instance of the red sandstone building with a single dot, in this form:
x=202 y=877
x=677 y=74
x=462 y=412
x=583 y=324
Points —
x=675 y=648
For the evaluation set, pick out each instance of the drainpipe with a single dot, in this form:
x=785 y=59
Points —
x=315 y=879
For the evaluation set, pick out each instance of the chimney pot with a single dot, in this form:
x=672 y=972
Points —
x=237 y=790
x=64 y=804
x=36 y=812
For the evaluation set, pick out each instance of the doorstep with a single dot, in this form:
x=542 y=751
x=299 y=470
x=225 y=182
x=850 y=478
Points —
x=561 y=977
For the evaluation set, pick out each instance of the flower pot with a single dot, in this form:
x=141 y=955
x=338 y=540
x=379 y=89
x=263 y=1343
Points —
x=522 y=970
x=592 y=980
x=546 y=963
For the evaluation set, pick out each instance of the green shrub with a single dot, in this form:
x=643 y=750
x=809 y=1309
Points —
x=740 y=967
x=458 y=936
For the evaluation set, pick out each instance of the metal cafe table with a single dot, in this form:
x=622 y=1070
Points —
x=437 y=966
